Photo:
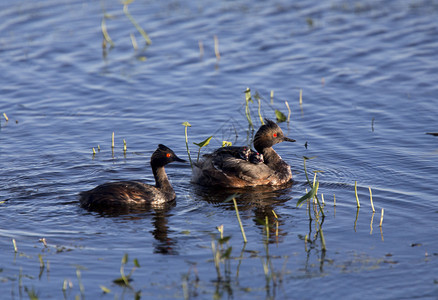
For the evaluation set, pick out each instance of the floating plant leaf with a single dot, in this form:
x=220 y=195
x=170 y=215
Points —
x=136 y=263
x=280 y=116
x=204 y=143
x=309 y=195
x=104 y=289
x=122 y=280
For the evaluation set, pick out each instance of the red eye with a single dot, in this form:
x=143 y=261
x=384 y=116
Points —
x=275 y=134
x=167 y=154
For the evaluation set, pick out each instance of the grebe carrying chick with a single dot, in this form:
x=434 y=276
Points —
x=241 y=167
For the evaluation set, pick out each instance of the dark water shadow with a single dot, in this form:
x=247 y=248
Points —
x=261 y=200
x=160 y=219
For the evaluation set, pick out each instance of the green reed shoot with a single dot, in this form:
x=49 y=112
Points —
x=134 y=22
x=240 y=222
x=220 y=228
x=312 y=194
x=355 y=192
x=31 y=293
x=305 y=169
x=288 y=109
x=258 y=98
x=202 y=144
x=112 y=140
x=124 y=146
x=106 y=36
x=248 y=98
x=104 y=289
x=371 y=199
x=122 y=269
x=125 y=279
x=272 y=96
x=15 y=246
x=309 y=195
x=187 y=124
x=301 y=97
x=6 y=117
x=221 y=255
x=216 y=258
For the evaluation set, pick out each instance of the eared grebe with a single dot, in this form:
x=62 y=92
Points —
x=227 y=168
x=135 y=193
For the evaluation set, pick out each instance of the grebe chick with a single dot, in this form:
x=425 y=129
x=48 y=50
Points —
x=135 y=193
x=223 y=169
x=256 y=158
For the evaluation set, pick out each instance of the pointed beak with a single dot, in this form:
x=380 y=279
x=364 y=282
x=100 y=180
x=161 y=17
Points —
x=286 y=139
x=176 y=158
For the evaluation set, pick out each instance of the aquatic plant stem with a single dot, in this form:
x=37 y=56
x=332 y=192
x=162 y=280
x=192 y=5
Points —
x=134 y=42
x=260 y=114
x=247 y=113
x=216 y=258
x=321 y=235
x=216 y=48
x=289 y=112
x=15 y=245
x=371 y=199
x=187 y=124
x=142 y=32
x=355 y=192
x=105 y=32
x=240 y=222
x=122 y=269
x=381 y=218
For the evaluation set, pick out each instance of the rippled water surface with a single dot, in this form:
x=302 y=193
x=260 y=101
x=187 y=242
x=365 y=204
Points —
x=368 y=75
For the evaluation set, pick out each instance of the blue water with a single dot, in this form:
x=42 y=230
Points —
x=367 y=71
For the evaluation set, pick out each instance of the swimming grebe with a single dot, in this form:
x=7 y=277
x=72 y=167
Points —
x=224 y=168
x=135 y=193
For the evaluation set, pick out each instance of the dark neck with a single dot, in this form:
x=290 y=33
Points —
x=161 y=181
x=274 y=161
